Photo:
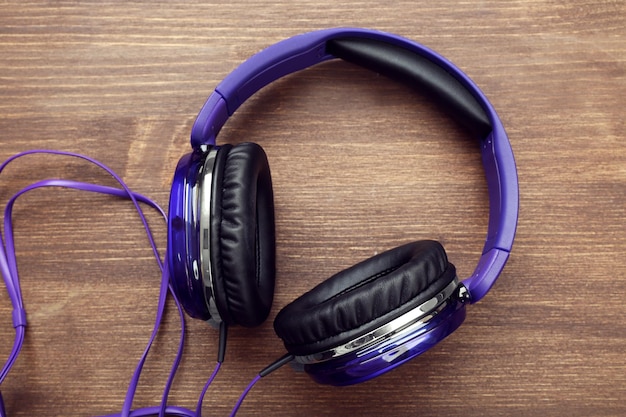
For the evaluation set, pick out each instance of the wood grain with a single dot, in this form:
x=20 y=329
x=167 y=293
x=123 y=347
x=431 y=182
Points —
x=359 y=165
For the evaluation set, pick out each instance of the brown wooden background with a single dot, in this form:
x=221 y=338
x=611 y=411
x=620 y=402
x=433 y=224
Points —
x=359 y=165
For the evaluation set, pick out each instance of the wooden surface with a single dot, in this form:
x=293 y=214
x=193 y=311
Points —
x=359 y=165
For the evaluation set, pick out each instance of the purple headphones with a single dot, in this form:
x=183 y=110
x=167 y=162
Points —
x=371 y=317
x=220 y=262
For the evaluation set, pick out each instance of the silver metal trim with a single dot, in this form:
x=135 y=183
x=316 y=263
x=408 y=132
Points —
x=409 y=321
x=205 y=177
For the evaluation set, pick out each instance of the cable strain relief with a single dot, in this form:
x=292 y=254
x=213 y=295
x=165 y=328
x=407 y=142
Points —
x=19 y=317
x=277 y=364
x=221 y=351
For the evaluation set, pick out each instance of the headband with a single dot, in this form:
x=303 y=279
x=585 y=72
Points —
x=415 y=65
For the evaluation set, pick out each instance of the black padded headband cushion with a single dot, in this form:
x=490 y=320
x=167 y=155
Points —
x=418 y=72
x=243 y=253
x=364 y=297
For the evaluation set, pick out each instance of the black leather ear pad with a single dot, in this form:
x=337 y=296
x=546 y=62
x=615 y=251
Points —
x=364 y=297
x=243 y=252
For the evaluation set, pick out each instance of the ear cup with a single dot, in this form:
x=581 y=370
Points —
x=243 y=253
x=364 y=297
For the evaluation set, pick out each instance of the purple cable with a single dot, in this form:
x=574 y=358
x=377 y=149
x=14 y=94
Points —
x=205 y=389
x=280 y=362
x=10 y=248
x=12 y=266
x=8 y=267
x=244 y=394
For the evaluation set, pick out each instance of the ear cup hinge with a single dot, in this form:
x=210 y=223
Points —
x=463 y=294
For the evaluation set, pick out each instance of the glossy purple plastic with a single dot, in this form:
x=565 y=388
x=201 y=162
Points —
x=182 y=240
x=353 y=369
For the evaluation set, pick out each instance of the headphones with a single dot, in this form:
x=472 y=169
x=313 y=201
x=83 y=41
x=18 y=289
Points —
x=375 y=315
x=221 y=260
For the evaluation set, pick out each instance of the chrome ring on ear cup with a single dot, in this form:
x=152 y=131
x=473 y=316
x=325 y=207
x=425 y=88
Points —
x=204 y=209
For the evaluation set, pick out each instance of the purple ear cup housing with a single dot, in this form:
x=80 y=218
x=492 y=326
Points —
x=339 y=345
x=183 y=250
